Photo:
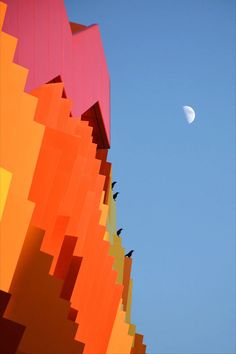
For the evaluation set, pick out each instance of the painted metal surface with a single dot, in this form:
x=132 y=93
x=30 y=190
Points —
x=50 y=48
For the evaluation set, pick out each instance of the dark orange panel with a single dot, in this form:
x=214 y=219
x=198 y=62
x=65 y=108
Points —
x=71 y=277
x=126 y=280
x=10 y=332
x=36 y=303
x=65 y=256
x=139 y=347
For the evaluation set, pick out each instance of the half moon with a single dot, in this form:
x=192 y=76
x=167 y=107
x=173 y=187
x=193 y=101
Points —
x=189 y=114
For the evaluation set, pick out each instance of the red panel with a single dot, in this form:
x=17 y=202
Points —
x=65 y=256
x=71 y=277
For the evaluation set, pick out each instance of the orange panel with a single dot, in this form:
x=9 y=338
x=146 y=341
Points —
x=76 y=189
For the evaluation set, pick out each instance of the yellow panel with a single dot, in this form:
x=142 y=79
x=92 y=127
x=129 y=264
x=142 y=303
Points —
x=111 y=219
x=132 y=329
x=14 y=225
x=5 y=180
x=117 y=251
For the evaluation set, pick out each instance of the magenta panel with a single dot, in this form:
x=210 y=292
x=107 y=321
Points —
x=48 y=49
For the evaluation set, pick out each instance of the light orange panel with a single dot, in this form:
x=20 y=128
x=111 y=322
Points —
x=19 y=153
x=120 y=340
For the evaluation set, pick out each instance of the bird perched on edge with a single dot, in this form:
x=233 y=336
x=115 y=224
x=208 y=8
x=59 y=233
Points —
x=129 y=254
x=113 y=184
x=115 y=195
x=118 y=232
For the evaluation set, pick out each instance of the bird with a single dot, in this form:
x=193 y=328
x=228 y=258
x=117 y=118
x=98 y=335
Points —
x=113 y=184
x=119 y=232
x=129 y=254
x=115 y=195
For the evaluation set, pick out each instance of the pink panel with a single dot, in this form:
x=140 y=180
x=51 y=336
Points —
x=48 y=49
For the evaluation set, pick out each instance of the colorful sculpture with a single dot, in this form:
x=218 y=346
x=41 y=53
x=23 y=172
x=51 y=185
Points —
x=65 y=284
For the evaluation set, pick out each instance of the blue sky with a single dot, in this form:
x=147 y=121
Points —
x=176 y=181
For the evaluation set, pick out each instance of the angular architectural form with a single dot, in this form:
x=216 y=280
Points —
x=65 y=283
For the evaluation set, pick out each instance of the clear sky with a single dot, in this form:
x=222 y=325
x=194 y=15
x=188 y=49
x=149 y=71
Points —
x=176 y=181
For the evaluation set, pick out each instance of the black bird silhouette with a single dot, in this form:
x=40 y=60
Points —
x=119 y=232
x=113 y=184
x=115 y=195
x=129 y=254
